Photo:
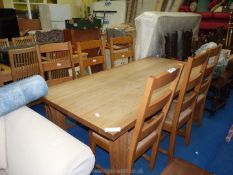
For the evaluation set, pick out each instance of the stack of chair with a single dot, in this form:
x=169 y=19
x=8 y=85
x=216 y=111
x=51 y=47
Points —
x=206 y=82
x=26 y=40
x=182 y=108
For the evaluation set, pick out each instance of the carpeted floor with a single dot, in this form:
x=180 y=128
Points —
x=208 y=148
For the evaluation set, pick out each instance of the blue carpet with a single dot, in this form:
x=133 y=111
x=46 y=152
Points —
x=208 y=148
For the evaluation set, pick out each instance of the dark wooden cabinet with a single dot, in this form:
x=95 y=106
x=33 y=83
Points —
x=81 y=35
x=84 y=35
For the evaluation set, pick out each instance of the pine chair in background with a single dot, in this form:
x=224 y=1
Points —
x=99 y=59
x=4 y=43
x=214 y=54
x=24 y=63
x=182 y=109
x=57 y=62
x=149 y=122
x=26 y=40
x=121 y=47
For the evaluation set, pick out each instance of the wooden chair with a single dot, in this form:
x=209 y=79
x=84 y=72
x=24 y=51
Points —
x=57 y=62
x=181 y=167
x=24 y=63
x=149 y=122
x=181 y=111
x=26 y=40
x=214 y=54
x=121 y=47
x=86 y=46
x=219 y=88
x=4 y=43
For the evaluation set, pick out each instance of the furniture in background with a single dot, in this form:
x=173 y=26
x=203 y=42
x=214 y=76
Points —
x=8 y=24
x=28 y=25
x=36 y=146
x=24 y=63
x=181 y=167
x=25 y=40
x=56 y=59
x=152 y=27
x=214 y=54
x=219 y=89
x=211 y=23
x=81 y=35
x=99 y=59
x=4 y=43
x=5 y=74
x=149 y=121
x=107 y=100
x=75 y=36
x=52 y=36
x=120 y=48
x=181 y=112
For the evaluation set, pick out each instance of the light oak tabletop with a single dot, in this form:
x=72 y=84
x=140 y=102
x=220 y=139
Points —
x=110 y=98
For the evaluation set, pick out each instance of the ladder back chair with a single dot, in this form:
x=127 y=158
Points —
x=24 y=63
x=86 y=62
x=1 y=78
x=149 y=122
x=57 y=62
x=26 y=40
x=181 y=110
x=214 y=54
x=121 y=47
x=4 y=43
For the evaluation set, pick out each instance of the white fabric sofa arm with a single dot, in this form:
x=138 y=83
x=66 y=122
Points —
x=35 y=146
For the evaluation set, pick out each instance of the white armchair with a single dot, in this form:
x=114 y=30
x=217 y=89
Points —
x=35 y=146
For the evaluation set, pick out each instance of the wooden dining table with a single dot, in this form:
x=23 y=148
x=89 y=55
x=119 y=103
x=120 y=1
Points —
x=108 y=99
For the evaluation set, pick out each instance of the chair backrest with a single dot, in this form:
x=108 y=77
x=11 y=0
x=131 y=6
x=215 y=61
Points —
x=26 y=40
x=121 y=47
x=57 y=60
x=190 y=87
x=4 y=43
x=214 y=54
x=153 y=111
x=86 y=46
x=24 y=63
x=1 y=78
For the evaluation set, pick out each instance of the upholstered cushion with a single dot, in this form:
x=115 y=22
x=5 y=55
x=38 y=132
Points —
x=3 y=172
x=20 y=93
x=36 y=146
x=186 y=113
x=140 y=144
x=3 y=159
x=53 y=36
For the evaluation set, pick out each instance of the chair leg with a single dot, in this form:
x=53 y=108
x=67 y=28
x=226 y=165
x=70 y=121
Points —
x=188 y=131
x=154 y=153
x=201 y=112
x=172 y=144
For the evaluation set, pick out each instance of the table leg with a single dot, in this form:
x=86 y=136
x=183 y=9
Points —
x=56 y=116
x=118 y=151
